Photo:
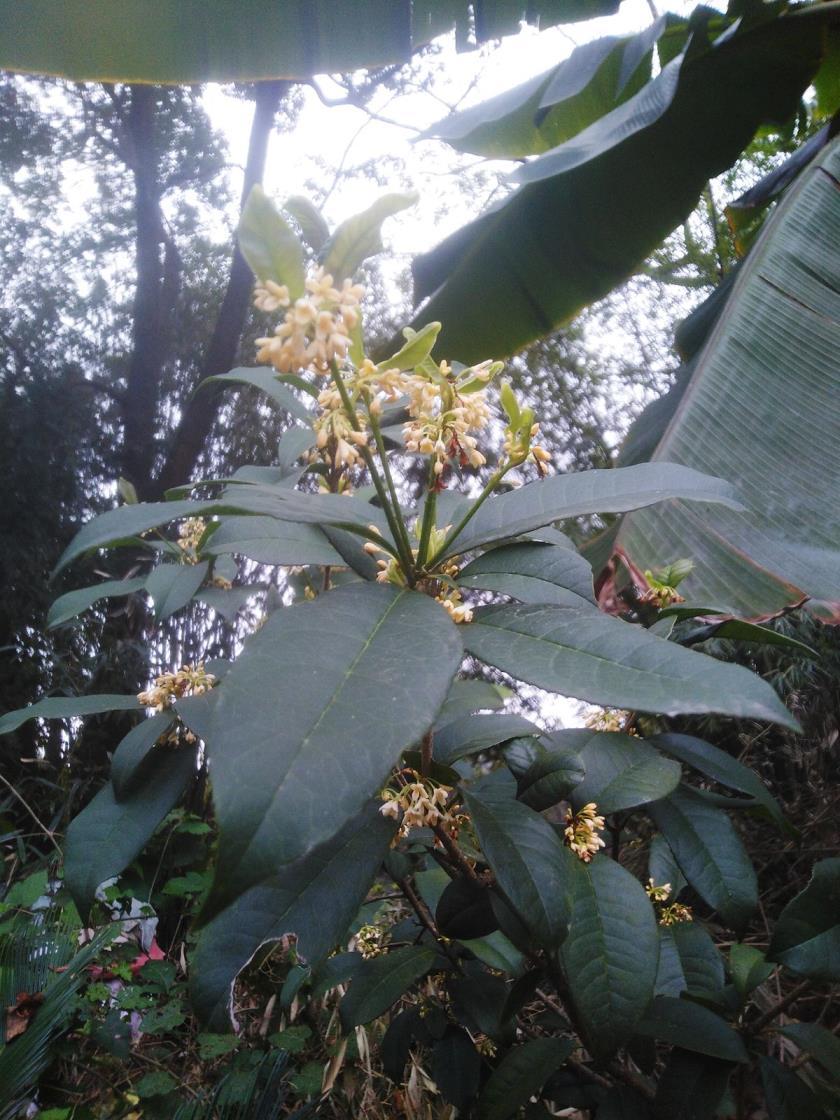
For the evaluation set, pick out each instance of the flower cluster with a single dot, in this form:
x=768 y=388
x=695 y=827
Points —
x=441 y=585
x=662 y=584
x=668 y=915
x=445 y=410
x=582 y=831
x=419 y=802
x=189 y=538
x=316 y=328
x=369 y=941
x=188 y=681
x=610 y=719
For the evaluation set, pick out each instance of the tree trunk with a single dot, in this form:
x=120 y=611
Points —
x=201 y=409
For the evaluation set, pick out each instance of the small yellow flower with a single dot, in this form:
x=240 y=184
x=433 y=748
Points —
x=658 y=893
x=582 y=831
x=188 y=681
x=674 y=914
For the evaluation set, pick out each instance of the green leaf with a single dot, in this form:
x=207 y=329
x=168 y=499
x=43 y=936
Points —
x=418 y=346
x=496 y=951
x=549 y=778
x=737 y=630
x=108 y=40
x=266 y=380
x=720 y=767
x=779 y=329
x=27 y=891
x=748 y=967
x=293 y=443
x=339 y=687
x=596 y=657
x=689 y=962
x=464 y=911
x=470 y=734
x=610 y=956
x=270 y=245
x=107 y=835
x=380 y=981
x=786 y=1095
x=566 y=237
x=662 y=867
x=466 y=696
x=533 y=573
x=67 y=707
x=172 y=586
x=623 y=1103
x=155 y=1084
x=359 y=237
x=692 y=1027
x=212 y=1046
x=310 y=219
x=806 y=938
x=553 y=106
x=622 y=772
x=576 y=495
x=74 y=602
x=709 y=853
x=134 y=748
x=269 y=541
x=529 y=861
x=691 y=1087
x=520 y=1075
x=456 y=1068
x=228 y=603
x=315 y=898
x=823 y=1045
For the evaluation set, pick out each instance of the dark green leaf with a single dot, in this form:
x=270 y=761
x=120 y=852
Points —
x=404 y=1031
x=692 y=1027
x=576 y=495
x=610 y=956
x=106 y=836
x=466 y=696
x=464 y=911
x=155 y=1084
x=134 y=748
x=534 y=260
x=357 y=675
x=550 y=777
x=622 y=772
x=269 y=541
x=529 y=861
x=748 y=967
x=381 y=981
x=786 y=1094
x=623 y=1103
x=105 y=40
x=737 y=630
x=663 y=868
x=820 y=1043
x=721 y=767
x=456 y=1067
x=806 y=938
x=521 y=1073
x=691 y=1087
x=533 y=573
x=265 y=379
x=67 y=707
x=688 y=962
x=270 y=245
x=293 y=443
x=496 y=951
x=596 y=657
x=315 y=898
x=74 y=602
x=228 y=603
x=473 y=733
x=709 y=853
x=359 y=237
x=171 y=586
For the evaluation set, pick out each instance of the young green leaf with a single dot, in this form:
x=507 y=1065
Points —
x=748 y=967
x=269 y=244
x=359 y=237
x=418 y=346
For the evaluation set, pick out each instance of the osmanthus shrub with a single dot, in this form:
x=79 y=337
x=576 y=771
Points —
x=546 y=942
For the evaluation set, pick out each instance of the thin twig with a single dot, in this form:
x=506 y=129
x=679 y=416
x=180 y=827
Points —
x=777 y=1008
x=46 y=831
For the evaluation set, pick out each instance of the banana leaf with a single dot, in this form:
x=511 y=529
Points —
x=190 y=41
x=761 y=407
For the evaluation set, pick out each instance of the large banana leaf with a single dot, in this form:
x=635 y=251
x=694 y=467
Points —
x=762 y=408
x=591 y=210
x=231 y=40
